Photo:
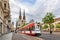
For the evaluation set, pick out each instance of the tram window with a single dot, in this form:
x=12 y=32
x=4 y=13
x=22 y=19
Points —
x=32 y=28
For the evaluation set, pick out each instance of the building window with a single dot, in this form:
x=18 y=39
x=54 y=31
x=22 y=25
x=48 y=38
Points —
x=0 y=28
x=19 y=24
x=4 y=5
x=9 y=20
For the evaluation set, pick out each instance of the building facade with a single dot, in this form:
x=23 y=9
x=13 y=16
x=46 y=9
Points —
x=12 y=27
x=5 y=18
x=1 y=17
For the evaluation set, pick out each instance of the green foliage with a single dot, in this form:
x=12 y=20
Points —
x=52 y=26
x=45 y=26
x=57 y=25
x=22 y=25
x=48 y=18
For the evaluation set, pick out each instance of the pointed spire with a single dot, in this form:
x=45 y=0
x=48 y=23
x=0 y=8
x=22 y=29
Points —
x=24 y=15
x=20 y=17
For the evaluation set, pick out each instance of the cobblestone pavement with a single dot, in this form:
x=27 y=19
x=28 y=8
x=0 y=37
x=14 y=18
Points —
x=24 y=37
x=15 y=36
x=47 y=36
x=6 y=37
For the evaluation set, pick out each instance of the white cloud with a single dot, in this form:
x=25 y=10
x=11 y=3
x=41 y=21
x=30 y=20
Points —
x=51 y=5
x=37 y=11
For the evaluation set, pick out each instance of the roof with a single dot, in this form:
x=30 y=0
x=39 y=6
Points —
x=57 y=19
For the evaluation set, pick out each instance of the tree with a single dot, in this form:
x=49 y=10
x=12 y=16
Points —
x=48 y=19
x=45 y=26
x=52 y=26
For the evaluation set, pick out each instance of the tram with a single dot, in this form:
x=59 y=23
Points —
x=31 y=29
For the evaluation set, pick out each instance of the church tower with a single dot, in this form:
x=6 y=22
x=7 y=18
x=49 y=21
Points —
x=24 y=18
x=20 y=18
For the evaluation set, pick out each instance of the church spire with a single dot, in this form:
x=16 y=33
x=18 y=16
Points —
x=20 y=17
x=24 y=15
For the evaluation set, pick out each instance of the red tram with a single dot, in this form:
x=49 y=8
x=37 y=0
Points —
x=31 y=29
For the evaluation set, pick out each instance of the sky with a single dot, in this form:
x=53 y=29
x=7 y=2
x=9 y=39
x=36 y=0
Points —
x=34 y=9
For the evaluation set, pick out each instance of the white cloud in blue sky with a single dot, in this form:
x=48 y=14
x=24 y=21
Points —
x=27 y=2
x=35 y=9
